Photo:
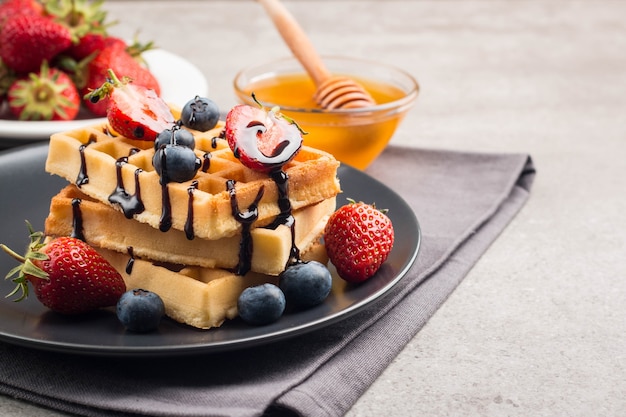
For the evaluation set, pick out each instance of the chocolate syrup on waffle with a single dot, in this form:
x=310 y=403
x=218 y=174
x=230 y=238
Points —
x=131 y=260
x=130 y=204
x=165 y=223
x=206 y=162
x=82 y=177
x=246 y=218
x=77 y=232
x=281 y=179
x=77 y=220
x=189 y=232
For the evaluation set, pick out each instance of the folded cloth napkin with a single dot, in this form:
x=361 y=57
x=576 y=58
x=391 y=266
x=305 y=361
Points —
x=462 y=200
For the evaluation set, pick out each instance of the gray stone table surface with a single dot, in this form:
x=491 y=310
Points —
x=538 y=326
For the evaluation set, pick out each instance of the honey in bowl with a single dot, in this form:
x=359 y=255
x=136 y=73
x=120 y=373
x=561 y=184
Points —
x=354 y=136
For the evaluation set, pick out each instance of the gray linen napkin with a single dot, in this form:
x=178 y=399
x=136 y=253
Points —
x=462 y=200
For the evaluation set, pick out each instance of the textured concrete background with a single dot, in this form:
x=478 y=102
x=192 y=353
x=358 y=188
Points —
x=538 y=326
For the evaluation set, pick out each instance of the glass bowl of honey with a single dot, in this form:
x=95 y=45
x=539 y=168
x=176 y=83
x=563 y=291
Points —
x=354 y=136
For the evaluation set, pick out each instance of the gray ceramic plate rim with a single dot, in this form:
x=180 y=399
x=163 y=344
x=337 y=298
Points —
x=26 y=190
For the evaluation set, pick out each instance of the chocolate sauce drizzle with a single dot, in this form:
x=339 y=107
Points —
x=281 y=179
x=165 y=223
x=130 y=204
x=77 y=220
x=78 y=233
x=246 y=219
x=206 y=162
x=82 y=177
x=189 y=232
x=131 y=260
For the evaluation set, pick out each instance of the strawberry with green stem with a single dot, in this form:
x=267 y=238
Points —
x=67 y=275
x=48 y=94
x=28 y=40
x=82 y=17
x=12 y=8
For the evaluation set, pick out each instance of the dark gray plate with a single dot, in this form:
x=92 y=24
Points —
x=25 y=192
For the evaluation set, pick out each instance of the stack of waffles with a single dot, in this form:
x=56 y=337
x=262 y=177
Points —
x=187 y=241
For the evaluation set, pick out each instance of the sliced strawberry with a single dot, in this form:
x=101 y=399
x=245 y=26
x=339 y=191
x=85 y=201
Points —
x=28 y=40
x=48 y=94
x=67 y=275
x=96 y=75
x=262 y=140
x=133 y=111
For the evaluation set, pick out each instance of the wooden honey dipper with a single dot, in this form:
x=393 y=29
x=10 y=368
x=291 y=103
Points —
x=332 y=92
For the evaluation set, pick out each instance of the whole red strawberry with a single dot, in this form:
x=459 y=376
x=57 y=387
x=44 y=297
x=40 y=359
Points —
x=358 y=239
x=91 y=43
x=262 y=140
x=111 y=41
x=11 y=8
x=48 y=94
x=123 y=59
x=67 y=275
x=28 y=40
x=133 y=111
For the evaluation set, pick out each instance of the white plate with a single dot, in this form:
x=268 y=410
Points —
x=179 y=79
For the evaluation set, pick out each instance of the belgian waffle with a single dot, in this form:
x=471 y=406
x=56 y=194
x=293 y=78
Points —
x=104 y=227
x=191 y=262
x=102 y=165
x=200 y=297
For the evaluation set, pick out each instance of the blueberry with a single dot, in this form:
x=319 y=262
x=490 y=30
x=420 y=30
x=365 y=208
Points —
x=140 y=310
x=176 y=163
x=263 y=304
x=305 y=284
x=175 y=135
x=200 y=114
